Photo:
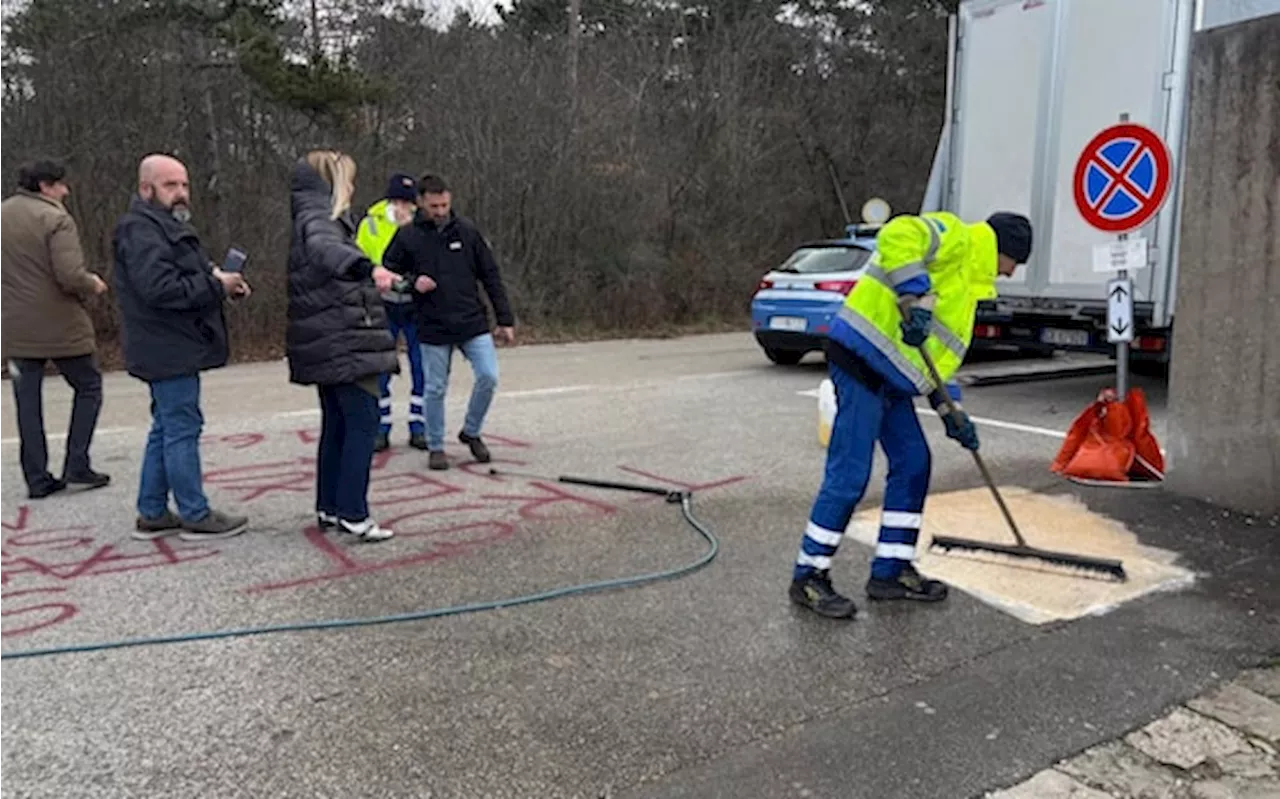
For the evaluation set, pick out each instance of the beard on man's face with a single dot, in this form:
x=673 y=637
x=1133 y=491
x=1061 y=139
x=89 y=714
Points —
x=178 y=208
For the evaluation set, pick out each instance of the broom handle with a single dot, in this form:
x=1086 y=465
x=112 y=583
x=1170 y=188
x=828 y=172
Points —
x=982 y=467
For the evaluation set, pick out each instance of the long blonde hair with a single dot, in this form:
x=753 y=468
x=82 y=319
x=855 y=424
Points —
x=339 y=171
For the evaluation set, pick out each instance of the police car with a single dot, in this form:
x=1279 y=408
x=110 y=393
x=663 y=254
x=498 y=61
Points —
x=794 y=304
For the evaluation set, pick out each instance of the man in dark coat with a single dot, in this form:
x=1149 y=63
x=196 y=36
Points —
x=447 y=259
x=173 y=328
x=46 y=287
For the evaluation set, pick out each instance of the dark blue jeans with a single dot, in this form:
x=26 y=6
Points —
x=171 y=463
x=348 y=431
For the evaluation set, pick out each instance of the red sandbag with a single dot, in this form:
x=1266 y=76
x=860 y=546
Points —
x=1111 y=440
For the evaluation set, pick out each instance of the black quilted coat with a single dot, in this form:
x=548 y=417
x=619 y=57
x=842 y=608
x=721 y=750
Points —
x=337 y=330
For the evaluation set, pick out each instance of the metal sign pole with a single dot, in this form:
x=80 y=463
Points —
x=1122 y=347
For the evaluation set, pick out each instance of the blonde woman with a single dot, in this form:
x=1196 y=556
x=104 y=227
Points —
x=337 y=337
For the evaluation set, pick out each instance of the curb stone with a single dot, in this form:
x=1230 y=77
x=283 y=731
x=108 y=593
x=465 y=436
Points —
x=1224 y=744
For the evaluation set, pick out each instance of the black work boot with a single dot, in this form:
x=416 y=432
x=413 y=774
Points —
x=478 y=450
x=418 y=441
x=908 y=585
x=437 y=461
x=815 y=593
x=383 y=442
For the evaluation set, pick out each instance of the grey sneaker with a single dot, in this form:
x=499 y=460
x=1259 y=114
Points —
x=150 y=529
x=437 y=461
x=216 y=525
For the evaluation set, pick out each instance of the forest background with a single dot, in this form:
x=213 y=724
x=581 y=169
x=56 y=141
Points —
x=635 y=172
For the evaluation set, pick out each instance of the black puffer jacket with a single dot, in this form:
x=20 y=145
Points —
x=337 y=331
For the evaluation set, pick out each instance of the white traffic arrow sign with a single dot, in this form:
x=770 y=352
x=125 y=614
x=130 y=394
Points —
x=1120 y=310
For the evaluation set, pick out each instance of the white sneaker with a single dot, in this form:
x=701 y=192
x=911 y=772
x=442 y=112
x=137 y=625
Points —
x=326 y=521
x=367 y=530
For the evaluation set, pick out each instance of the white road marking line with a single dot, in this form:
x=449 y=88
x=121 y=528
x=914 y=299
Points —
x=104 y=431
x=719 y=375
x=1021 y=428
x=542 y=392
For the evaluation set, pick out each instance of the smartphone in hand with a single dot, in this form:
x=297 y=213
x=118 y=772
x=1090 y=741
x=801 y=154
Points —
x=235 y=260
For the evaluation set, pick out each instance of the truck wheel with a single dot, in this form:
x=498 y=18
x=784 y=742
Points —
x=784 y=357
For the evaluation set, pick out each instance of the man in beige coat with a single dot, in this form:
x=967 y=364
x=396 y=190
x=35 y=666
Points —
x=44 y=287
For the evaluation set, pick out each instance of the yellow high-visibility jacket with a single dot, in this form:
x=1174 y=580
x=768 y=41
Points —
x=373 y=237
x=942 y=260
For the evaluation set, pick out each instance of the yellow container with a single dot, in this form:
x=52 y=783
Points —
x=826 y=410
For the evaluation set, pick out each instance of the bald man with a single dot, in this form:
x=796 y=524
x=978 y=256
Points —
x=171 y=298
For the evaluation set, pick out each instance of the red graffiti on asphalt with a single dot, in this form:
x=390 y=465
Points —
x=435 y=516
x=38 y=560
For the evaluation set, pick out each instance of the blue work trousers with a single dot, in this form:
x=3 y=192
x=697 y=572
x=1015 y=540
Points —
x=865 y=415
x=401 y=320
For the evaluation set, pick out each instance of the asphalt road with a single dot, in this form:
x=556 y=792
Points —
x=709 y=684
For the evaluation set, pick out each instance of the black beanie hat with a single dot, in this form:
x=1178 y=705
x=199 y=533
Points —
x=1013 y=235
x=402 y=186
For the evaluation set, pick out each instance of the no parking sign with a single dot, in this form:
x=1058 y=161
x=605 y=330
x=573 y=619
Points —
x=1121 y=181
x=1122 y=178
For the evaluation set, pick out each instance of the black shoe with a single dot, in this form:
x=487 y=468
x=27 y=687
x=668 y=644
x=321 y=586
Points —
x=478 y=450
x=383 y=442
x=417 y=441
x=816 y=594
x=46 y=489
x=89 y=479
x=438 y=461
x=908 y=585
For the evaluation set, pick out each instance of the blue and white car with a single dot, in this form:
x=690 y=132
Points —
x=794 y=304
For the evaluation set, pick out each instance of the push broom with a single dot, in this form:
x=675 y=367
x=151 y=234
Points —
x=1021 y=551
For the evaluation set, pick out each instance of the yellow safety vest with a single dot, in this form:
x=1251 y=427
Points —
x=935 y=254
x=375 y=232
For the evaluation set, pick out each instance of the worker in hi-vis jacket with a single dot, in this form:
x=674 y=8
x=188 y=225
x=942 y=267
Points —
x=920 y=291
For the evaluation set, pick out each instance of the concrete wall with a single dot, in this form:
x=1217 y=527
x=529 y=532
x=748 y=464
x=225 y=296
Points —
x=1223 y=440
x=1227 y=12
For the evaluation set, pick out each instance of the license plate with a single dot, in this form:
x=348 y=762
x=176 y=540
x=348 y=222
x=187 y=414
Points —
x=1067 y=338
x=795 y=324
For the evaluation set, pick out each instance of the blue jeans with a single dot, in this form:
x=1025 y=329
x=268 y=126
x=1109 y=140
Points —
x=401 y=320
x=348 y=430
x=437 y=360
x=863 y=417
x=171 y=462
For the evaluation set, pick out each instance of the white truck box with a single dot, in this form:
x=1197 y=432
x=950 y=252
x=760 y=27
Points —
x=1030 y=82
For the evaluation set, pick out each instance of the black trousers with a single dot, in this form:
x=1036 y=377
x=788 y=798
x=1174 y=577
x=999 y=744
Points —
x=27 y=376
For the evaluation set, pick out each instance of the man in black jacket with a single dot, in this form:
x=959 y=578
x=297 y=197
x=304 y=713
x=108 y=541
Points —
x=446 y=257
x=173 y=328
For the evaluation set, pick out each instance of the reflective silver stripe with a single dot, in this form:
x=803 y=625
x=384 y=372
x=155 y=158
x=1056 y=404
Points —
x=828 y=538
x=896 y=551
x=373 y=226
x=820 y=562
x=886 y=347
x=898 y=276
x=950 y=339
x=934 y=241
